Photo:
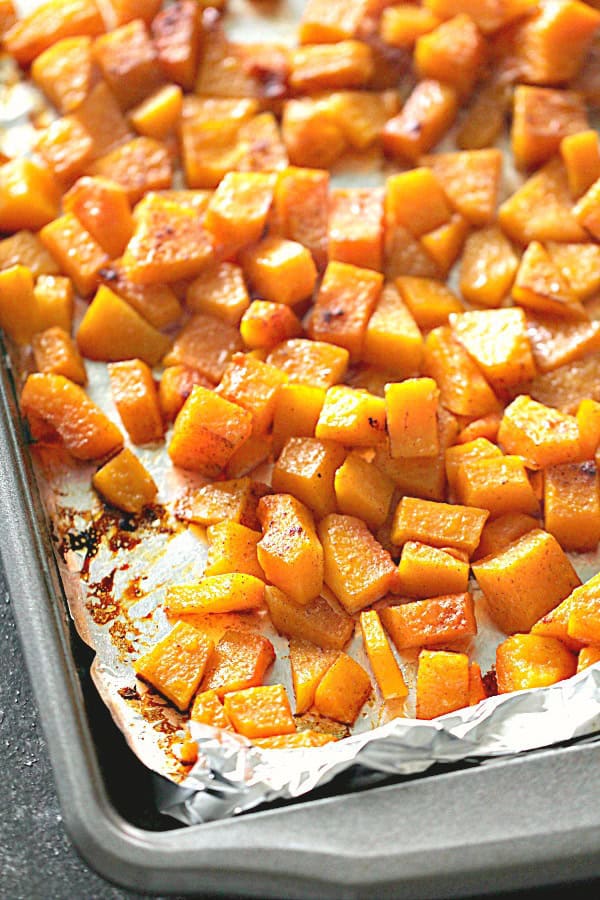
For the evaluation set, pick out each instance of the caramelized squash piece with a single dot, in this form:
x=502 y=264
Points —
x=323 y=67
x=297 y=410
x=542 y=117
x=388 y=674
x=240 y=660
x=176 y=664
x=289 y=552
x=454 y=52
x=426 y=571
x=343 y=306
x=49 y=23
x=253 y=385
x=177 y=34
x=411 y=414
x=234 y=500
x=556 y=341
x=19 y=316
x=225 y=593
x=529 y=660
x=55 y=352
x=437 y=620
x=300 y=209
x=355 y=228
x=316 y=621
x=78 y=254
x=128 y=61
x=237 y=211
x=232 y=548
x=393 y=334
x=125 y=483
x=442 y=683
x=438 y=524
x=487 y=268
x=103 y=209
x=55 y=301
x=470 y=180
x=28 y=195
x=140 y=165
x=362 y=490
x=208 y=709
x=488 y=15
x=323 y=22
x=111 y=330
x=572 y=505
x=306 y=468
x=351 y=416
x=499 y=533
x=205 y=343
x=463 y=388
x=260 y=712
x=540 y=285
x=343 y=690
x=425 y=117
x=581 y=156
x=540 y=434
x=65 y=72
x=24 y=248
x=555 y=624
x=279 y=270
x=136 y=398
x=497 y=339
x=265 y=324
x=429 y=301
x=308 y=664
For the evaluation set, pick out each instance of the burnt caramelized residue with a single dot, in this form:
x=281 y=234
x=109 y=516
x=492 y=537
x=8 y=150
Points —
x=314 y=722
x=490 y=683
x=129 y=693
x=102 y=606
x=588 y=468
x=119 y=633
x=272 y=84
x=329 y=315
x=133 y=591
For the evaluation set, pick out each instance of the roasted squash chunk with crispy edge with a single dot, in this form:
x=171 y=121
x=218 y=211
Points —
x=438 y=524
x=317 y=621
x=260 y=712
x=530 y=660
x=240 y=660
x=425 y=572
x=55 y=352
x=225 y=593
x=48 y=24
x=125 y=483
x=136 y=398
x=437 y=620
x=232 y=548
x=442 y=683
x=343 y=690
x=352 y=416
x=175 y=666
x=572 y=505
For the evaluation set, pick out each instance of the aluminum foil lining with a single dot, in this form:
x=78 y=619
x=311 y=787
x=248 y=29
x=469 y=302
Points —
x=115 y=570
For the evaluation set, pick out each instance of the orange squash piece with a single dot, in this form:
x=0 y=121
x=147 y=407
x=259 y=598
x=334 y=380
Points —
x=297 y=410
x=587 y=657
x=207 y=432
x=306 y=468
x=540 y=434
x=53 y=400
x=65 y=72
x=220 y=291
x=442 y=683
x=156 y=303
x=429 y=301
x=427 y=114
x=362 y=490
x=393 y=335
x=470 y=180
x=581 y=156
x=486 y=427
x=358 y=569
x=225 y=593
x=415 y=200
x=265 y=324
x=555 y=624
x=588 y=421
x=426 y=571
x=140 y=165
x=24 y=248
x=438 y=524
x=205 y=343
x=463 y=388
x=499 y=484
x=540 y=285
x=572 y=505
x=444 y=244
x=125 y=483
x=411 y=414
x=176 y=664
x=49 y=23
x=103 y=210
x=78 y=254
x=177 y=34
x=557 y=341
x=128 y=61
x=457 y=455
x=308 y=664
x=579 y=264
x=454 y=52
x=437 y=620
x=344 y=304
x=497 y=339
x=317 y=621
x=28 y=195
x=253 y=385
x=343 y=690
x=529 y=660
x=237 y=211
x=327 y=67
x=123 y=11
x=19 y=316
x=300 y=739
x=401 y=24
x=526 y=580
x=289 y=552
x=280 y=270
x=111 y=330
x=208 y=710
x=542 y=117
x=234 y=500
x=489 y=15
x=484 y=118
x=240 y=660
x=351 y=416
x=260 y=712
x=232 y=548
x=355 y=228
x=501 y=532
x=175 y=386
x=322 y=22
x=136 y=398
x=55 y=301
x=56 y=353
x=388 y=674
x=487 y=268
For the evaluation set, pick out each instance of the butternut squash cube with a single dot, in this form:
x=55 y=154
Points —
x=66 y=72
x=463 y=388
x=386 y=670
x=327 y=67
x=232 y=548
x=158 y=115
x=426 y=571
x=78 y=254
x=456 y=456
x=208 y=709
x=572 y=505
x=581 y=156
x=229 y=592
x=588 y=421
x=416 y=201
x=470 y=180
x=128 y=62
x=28 y=195
x=306 y=468
x=363 y=491
x=207 y=432
x=66 y=148
x=234 y=500
x=260 y=712
x=343 y=690
x=445 y=243
x=265 y=324
x=140 y=165
x=555 y=624
x=437 y=620
x=289 y=552
x=316 y=363
x=485 y=116
x=477 y=691
x=556 y=341
x=136 y=398
x=316 y=621
x=205 y=343
x=297 y=409
x=583 y=622
x=177 y=35
x=53 y=400
x=497 y=340
x=430 y=302
x=487 y=268
x=401 y=24
x=489 y=15
x=312 y=134
x=125 y=483
x=56 y=353
x=485 y=427
x=24 y=248
x=355 y=228
x=308 y=663
x=542 y=117
x=343 y=307
x=427 y=114
x=525 y=581
x=587 y=657
x=240 y=660
x=357 y=568
x=351 y=416
x=253 y=385
x=579 y=264
x=442 y=683
x=175 y=666
x=50 y=22
x=300 y=209
x=237 y=211
x=499 y=533
x=19 y=316
x=323 y=22
x=438 y=524
x=454 y=52
x=111 y=330
x=411 y=412
x=103 y=209
x=176 y=383
x=156 y=303
x=499 y=484
x=541 y=286
x=542 y=435
x=280 y=270
x=393 y=335
x=529 y=660
x=220 y=291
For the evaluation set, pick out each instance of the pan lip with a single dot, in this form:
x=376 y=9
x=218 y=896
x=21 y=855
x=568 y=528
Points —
x=301 y=848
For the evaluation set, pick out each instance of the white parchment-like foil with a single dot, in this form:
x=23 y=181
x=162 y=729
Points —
x=115 y=571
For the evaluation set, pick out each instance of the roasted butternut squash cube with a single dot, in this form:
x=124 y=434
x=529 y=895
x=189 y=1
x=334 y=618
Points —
x=411 y=412
x=253 y=385
x=454 y=53
x=587 y=209
x=416 y=201
x=457 y=455
x=300 y=209
x=541 y=286
x=386 y=670
x=205 y=343
x=207 y=432
x=393 y=335
x=488 y=267
x=555 y=624
x=225 y=593
x=525 y=581
x=312 y=133
x=438 y=524
x=300 y=739
x=542 y=117
x=362 y=490
x=357 y=568
x=136 y=398
x=220 y=291
x=232 y=548
x=158 y=114
x=497 y=340
x=78 y=254
x=343 y=690
x=260 y=712
x=129 y=63
x=355 y=228
x=499 y=484
x=297 y=410
x=234 y=500
x=484 y=118
x=442 y=683
x=327 y=67
x=344 y=304
x=351 y=416
x=111 y=330
x=579 y=263
x=55 y=352
x=175 y=666
x=444 y=244
x=140 y=165
x=124 y=482
x=53 y=400
x=572 y=505
x=529 y=660
x=470 y=180
x=426 y=571
x=588 y=421
x=430 y=302
x=581 y=155
x=19 y=315
x=208 y=710
x=324 y=22
x=237 y=211
x=499 y=533
x=177 y=34
x=556 y=341
x=240 y=660
x=463 y=388
x=308 y=664
x=489 y=15
x=427 y=114
x=540 y=434
x=280 y=270
x=265 y=324
x=24 y=248
x=103 y=209
x=55 y=300
x=289 y=552
x=316 y=621
x=437 y=620
x=306 y=468
x=402 y=23
x=587 y=657
x=65 y=72
x=28 y=195
x=156 y=303
x=583 y=622
x=175 y=386
x=316 y=363
x=50 y=22
x=66 y=148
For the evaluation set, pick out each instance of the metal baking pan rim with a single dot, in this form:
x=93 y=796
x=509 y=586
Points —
x=431 y=837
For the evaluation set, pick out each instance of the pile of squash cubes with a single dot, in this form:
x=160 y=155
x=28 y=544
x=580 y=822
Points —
x=249 y=313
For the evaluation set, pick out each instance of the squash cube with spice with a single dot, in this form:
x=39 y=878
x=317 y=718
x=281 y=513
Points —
x=175 y=665
x=438 y=620
x=308 y=664
x=352 y=416
x=343 y=690
x=393 y=335
x=488 y=267
x=543 y=436
x=237 y=211
x=50 y=22
x=463 y=387
x=253 y=385
x=297 y=410
x=232 y=548
x=317 y=621
x=219 y=291
x=229 y=592
x=280 y=270
x=103 y=208
x=411 y=411
x=316 y=363
x=260 y=712
x=572 y=505
x=362 y=490
x=265 y=324
x=388 y=674
x=438 y=524
x=530 y=660
x=208 y=710
x=344 y=304
x=442 y=683
x=425 y=117
x=205 y=343
x=177 y=33
x=136 y=398
x=240 y=660
x=306 y=468
x=54 y=351
x=125 y=483
x=19 y=315
x=426 y=571
x=234 y=500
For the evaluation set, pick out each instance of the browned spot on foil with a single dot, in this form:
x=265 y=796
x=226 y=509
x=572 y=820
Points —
x=312 y=721
x=119 y=633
